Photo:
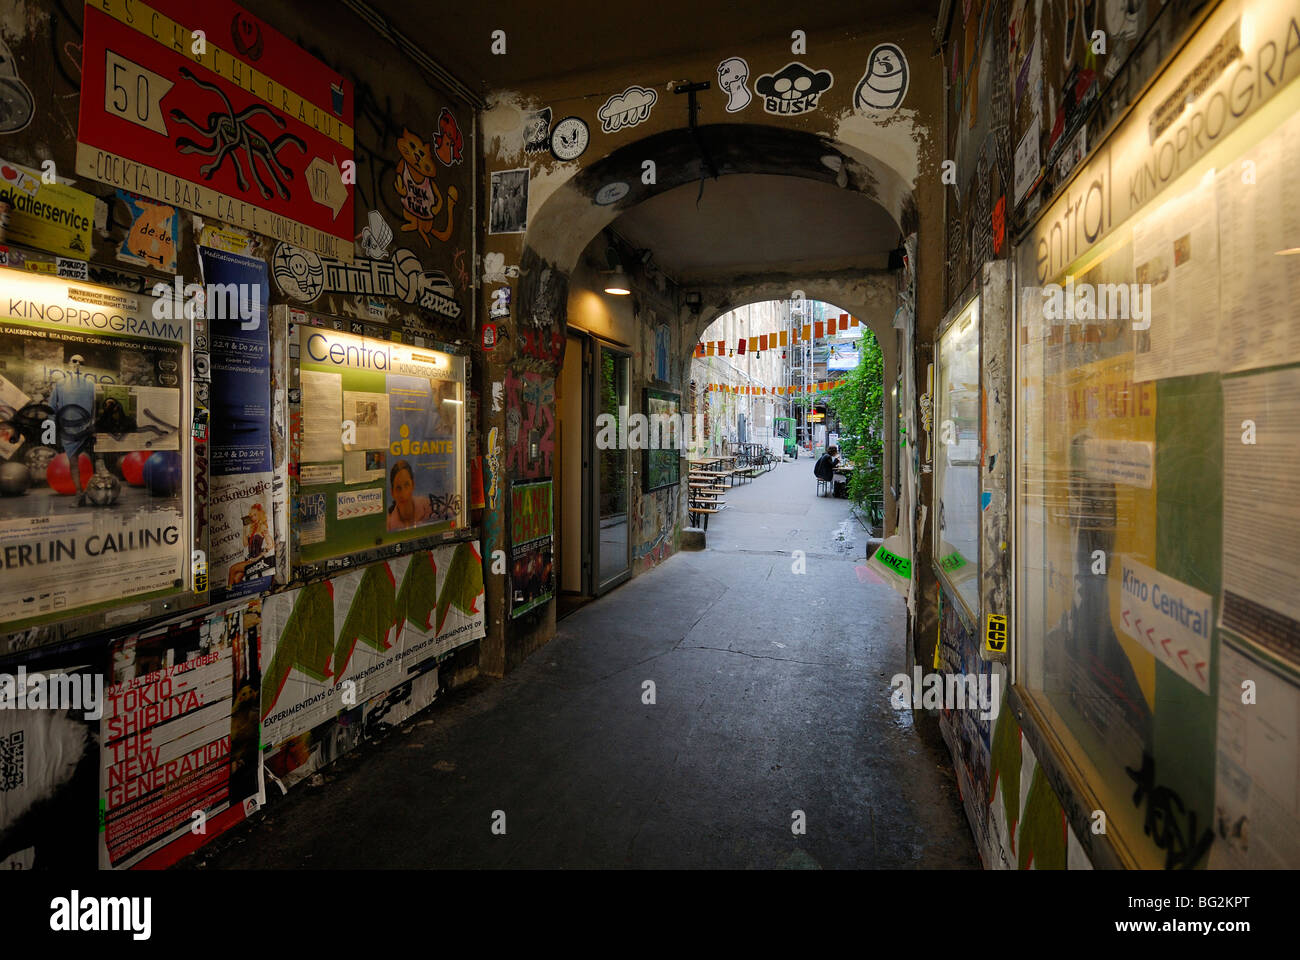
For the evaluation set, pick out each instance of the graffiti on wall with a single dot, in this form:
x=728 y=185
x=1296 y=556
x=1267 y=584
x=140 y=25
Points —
x=530 y=418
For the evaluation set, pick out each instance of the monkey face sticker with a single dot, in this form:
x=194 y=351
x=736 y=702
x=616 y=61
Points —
x=884 y=85
x=793 y=89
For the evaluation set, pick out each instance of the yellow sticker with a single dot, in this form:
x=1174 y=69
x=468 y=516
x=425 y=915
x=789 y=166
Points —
x=995 y=634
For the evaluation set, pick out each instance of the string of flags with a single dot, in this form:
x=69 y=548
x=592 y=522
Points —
x=755 y=391
x=783 y=338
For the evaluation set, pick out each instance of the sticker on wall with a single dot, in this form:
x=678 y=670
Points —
x=376 y=235
x=793 y=89
x=495 y=269
x=995 y=634
x=448 y=144
x=489 y=336
x=509 y=201
x=500 y=303
x=16 y=103
x=884 y=85
x=537 y=131
x=230 y=241
x=421 y=198
x=570 y=138
x=50 y=216
x=626 y=109
x=733 y=80
x=151 y=238
x=303 y=275
x=612 y=193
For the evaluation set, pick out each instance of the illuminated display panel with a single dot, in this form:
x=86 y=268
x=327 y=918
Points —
x=1158 y=459
x=99 y=378
x=957 y=456
x=380 y=446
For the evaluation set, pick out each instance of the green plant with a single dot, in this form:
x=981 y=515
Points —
x=859 y=404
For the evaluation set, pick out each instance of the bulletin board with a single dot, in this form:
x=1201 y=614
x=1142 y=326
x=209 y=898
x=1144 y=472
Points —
x=1157 y=393
x=378 y=444
x=96 y=380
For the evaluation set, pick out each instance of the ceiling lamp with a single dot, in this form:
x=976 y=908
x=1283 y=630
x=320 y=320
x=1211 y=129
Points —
x=617 y=284
x=615 y=276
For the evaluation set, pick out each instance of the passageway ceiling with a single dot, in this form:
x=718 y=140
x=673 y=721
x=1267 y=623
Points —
x=751 y=223
x=548 y=40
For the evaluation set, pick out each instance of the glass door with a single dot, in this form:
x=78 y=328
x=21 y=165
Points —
x=614 y=466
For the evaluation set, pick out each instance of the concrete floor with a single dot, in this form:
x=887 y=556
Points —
x=772 y=695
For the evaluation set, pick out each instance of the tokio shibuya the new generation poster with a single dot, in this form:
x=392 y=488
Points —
x=94 y=449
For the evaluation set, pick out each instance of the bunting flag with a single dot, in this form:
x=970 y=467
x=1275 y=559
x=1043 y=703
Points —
x=784 y=338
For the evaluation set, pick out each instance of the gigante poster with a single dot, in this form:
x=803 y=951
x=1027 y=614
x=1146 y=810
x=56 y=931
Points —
x=380 y=449
x=94 y=463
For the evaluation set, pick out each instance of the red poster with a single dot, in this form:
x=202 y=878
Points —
x=205 y=107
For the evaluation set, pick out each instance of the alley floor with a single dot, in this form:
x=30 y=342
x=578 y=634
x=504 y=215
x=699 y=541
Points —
x=771 y=696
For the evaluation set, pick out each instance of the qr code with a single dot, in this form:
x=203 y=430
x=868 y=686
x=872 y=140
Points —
x=11 y=761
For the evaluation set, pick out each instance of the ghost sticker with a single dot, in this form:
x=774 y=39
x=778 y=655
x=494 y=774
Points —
x=793 y=89
x=885 y=83
x=733 y=80
x=627 y=109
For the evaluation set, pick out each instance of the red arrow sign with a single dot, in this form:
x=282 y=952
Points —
x=1124 y=614
x=1199 y=671
x=1180 y=657
x=1165 y=643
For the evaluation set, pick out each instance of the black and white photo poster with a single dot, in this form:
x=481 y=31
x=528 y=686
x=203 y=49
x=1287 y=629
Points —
x=509 y=201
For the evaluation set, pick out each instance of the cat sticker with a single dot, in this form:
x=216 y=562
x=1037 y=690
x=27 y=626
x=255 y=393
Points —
x=421 y=198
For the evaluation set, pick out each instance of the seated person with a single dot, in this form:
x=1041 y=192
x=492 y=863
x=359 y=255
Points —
x=824 y=468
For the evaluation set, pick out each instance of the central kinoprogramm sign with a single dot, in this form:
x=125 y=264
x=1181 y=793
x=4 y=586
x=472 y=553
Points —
x=205 y=107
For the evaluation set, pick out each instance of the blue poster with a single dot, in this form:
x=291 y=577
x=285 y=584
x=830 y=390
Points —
x=241 y=548
x=422 y=452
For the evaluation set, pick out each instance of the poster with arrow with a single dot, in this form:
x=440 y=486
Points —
x=204 y=107
x=1173 y=621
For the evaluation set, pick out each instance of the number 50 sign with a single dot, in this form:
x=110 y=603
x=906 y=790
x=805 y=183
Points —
x=205 y=107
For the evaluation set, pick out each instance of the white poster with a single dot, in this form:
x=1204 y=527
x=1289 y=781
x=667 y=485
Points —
x=1257 y=774
x=1261 y=509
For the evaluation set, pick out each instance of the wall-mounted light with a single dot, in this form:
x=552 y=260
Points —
x=616 y=278
x=695 y=301
x=617 y=283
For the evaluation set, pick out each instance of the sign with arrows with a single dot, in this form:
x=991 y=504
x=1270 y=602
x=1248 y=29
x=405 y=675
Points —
x=207 y=108
x=1173 y=621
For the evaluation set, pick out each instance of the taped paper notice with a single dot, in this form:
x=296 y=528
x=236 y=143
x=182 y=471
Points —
x=1130 y=462
x=1172 y=620
x=359 y=503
